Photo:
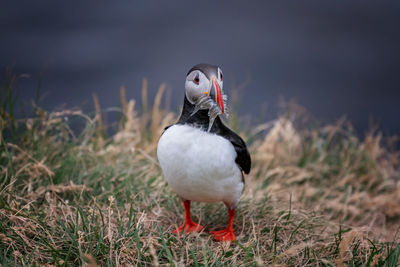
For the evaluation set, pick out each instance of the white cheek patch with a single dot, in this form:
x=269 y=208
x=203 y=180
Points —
x=220 y=79
x=194 y=91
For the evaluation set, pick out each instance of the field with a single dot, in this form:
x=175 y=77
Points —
x=71 y=193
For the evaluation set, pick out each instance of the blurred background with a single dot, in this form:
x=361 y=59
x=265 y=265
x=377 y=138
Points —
x=335 y=59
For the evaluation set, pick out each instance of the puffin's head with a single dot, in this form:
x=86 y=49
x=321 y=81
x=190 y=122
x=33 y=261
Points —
x=205 y=79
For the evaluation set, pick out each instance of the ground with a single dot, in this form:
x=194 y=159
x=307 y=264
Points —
x=72 y=193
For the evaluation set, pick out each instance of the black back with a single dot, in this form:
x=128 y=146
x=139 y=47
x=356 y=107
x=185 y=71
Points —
x=201 y=120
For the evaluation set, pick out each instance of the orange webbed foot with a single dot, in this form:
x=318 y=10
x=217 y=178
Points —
x=189 y=228
x=224 y=235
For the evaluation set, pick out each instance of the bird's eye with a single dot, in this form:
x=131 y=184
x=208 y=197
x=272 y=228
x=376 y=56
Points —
x=220 y=76
x=196 y=79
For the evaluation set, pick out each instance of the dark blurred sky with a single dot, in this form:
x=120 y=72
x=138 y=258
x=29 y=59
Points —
x=333 y=57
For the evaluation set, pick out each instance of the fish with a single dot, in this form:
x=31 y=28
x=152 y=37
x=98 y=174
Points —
x=206 y=102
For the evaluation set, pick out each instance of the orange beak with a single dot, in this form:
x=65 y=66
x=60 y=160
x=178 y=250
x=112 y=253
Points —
x=216 y=93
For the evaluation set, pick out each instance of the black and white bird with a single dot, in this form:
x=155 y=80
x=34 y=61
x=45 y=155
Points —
x=201 y=165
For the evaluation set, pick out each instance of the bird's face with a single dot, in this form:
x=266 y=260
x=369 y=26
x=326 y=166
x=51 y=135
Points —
x=205 y=79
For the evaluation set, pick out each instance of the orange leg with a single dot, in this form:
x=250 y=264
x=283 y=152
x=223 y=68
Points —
x=189 y=226
x=226 y=234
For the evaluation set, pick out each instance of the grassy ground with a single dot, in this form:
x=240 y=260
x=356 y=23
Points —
x=317 y=195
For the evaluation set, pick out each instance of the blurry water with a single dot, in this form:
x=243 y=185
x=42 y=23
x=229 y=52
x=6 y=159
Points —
x=341 y=58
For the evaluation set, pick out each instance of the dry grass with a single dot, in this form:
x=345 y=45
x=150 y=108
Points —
x=315 y=196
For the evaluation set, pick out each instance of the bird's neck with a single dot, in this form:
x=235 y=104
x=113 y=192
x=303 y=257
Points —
x=199 y=119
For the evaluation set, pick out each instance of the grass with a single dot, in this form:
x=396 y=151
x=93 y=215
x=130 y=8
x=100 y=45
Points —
x=317 y=195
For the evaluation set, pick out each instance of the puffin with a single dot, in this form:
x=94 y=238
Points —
x=201 y=159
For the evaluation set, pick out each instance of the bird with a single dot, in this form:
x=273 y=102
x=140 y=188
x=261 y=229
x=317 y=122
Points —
x=203 y=162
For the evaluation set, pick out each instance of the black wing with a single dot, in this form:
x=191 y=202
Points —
x=243 y=156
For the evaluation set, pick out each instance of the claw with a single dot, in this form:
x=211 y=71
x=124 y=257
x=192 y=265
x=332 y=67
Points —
x=224 y=235
x=189 y=228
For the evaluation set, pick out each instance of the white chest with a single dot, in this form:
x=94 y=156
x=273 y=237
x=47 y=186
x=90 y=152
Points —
x=200 y=166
